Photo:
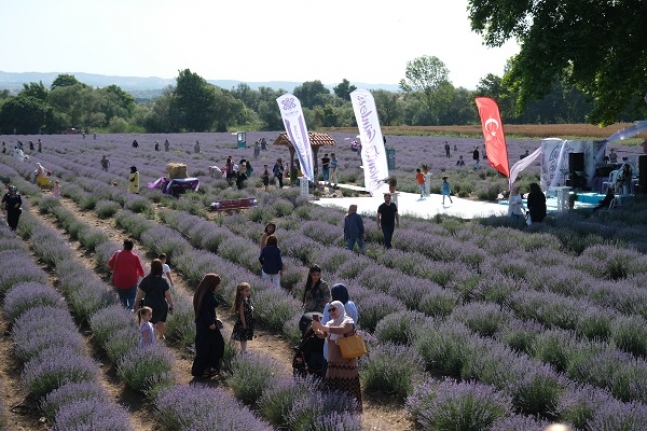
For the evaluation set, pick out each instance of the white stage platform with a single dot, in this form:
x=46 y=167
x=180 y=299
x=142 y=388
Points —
x=411 y=205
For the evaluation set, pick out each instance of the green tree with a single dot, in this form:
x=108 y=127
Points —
x=461 y=109
x=164 y=116
x=492 y=86
x=227 y=110
x=326 y=116
x=37 y=91
x=426 y=79
x=249 y=97
x=388 y=107
x=195 y=99
x=116 y=102
x=268 y=113
x=597 y=45
x=64 y=80
x=27 y=115
x=312 y=94
x=67 y=100
x=343 y=89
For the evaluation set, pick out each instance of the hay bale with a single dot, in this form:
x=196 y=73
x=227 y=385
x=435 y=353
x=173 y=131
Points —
x=176 y=171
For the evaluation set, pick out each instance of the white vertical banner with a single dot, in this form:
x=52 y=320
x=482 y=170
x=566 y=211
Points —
x=376 y=168
x=295 y=126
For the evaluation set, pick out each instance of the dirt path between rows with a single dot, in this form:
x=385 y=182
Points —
x=380 y=412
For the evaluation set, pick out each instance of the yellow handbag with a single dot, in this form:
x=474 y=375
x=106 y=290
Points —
x=352 y=346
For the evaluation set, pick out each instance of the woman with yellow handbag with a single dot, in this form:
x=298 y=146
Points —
x=342 y=373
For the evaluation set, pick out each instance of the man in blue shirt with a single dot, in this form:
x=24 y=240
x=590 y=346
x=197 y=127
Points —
x=354 y=229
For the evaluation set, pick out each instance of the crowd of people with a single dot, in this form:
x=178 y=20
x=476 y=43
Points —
x=149 y=297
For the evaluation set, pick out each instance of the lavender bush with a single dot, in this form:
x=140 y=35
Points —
x=391 y=368
x=92 y=415
x=55 y=366
x=24 y=296
x=147 y=369
x=457 y=406
x=250 y=375
x=200 y=408
x=280 y=395
x=17 y=267
x=70 y=393
x=396 y=328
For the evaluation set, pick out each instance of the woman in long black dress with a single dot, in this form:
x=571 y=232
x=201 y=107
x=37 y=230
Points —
x=11 y=202
x=209 y=344
x=536 y=203
x=154 y=289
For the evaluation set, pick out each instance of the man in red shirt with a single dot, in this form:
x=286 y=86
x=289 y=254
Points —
x=126 y=271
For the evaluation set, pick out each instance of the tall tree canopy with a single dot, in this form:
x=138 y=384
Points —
x=195 y=99
x=343 y=89
x=426 y=79
x=64 y=80
x=311 y=94
x=597 y=45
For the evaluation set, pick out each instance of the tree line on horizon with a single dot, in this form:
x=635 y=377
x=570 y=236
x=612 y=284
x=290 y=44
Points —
x=426 y=98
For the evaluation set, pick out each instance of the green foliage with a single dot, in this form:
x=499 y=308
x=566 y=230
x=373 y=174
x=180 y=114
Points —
x=195 y=100
x=311 y=94
x=576 y=42
x=427 y=80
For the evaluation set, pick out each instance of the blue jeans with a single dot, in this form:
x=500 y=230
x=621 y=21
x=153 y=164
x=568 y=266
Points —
x=350 y=244
x=326 y=174
x=127 y=297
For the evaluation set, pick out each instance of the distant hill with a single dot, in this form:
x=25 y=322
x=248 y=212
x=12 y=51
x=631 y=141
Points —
x=151 y=86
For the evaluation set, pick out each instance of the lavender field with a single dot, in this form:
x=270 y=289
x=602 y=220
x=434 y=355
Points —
x=534 y=325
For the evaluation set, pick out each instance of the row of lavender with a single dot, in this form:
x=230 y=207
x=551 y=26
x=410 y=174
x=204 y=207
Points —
x=382 y=361
x=387 y=357
x=57 y=369
x=253 y=378
x=149 y=370
x=411 y=153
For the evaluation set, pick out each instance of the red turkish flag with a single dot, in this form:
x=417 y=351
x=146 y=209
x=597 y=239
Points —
x=495 y=145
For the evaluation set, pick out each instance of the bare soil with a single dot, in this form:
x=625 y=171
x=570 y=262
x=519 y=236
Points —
x=380 y=410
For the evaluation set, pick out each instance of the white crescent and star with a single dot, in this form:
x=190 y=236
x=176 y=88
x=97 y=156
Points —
x=491 y=121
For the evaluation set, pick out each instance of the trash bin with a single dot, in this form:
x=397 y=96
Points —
x=241 y=140
x=390 y=158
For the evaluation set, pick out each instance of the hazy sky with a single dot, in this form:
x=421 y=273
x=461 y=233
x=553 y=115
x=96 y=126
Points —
x=366 y=41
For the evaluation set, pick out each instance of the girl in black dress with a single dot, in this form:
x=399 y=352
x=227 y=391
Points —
x=242 y=306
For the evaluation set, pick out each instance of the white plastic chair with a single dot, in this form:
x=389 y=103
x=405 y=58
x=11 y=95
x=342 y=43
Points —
x=611 y=181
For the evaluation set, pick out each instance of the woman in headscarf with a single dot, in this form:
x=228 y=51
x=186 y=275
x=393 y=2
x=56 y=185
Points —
x=338 y=293
x=209 y=344
x=12 y=202
x=342 y=374
x=317 y=293
x=133 y=180
x=536 y=203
